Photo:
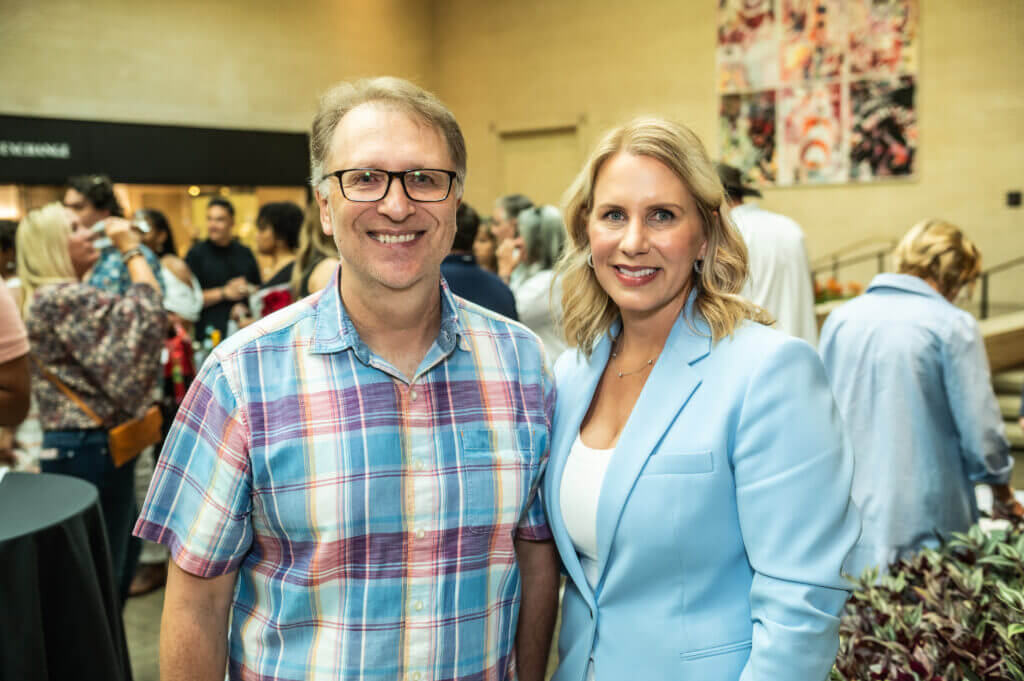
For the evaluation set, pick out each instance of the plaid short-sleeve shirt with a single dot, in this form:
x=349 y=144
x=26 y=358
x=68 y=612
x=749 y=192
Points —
x=371 y=519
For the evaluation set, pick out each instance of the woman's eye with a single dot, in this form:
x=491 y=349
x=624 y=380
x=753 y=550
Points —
x=661 y=215
x=614 y=215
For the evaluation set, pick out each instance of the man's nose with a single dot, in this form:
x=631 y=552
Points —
x=395 y=204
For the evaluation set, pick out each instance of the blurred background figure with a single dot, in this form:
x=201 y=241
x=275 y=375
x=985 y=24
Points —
x=14 y=381
x=183 y=296
x=779 y=278
x=485 y=247
x=226 y=269
x=91 y=198
x=317 y=257
x=106 y=354
x=506 y=215
x=526 y=262
x=912 y=382
x=278 y=226
x=183 y=301
x=463 y=273
x=8 y=262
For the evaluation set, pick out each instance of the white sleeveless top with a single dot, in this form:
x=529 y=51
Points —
x=580 y=490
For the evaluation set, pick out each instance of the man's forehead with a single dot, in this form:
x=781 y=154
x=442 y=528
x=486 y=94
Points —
x=376 y=134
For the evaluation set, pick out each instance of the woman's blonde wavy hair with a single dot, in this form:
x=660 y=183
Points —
x=587 y=310
x=938 y=250
x=42 y=247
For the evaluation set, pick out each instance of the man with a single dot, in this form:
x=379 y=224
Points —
x=352 y=481
x=466 y=278
x=506 y=214
x=224 y=268
x=91 y=198
x=779 y=278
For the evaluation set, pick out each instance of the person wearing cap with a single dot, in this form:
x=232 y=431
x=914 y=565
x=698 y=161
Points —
x=780 y=276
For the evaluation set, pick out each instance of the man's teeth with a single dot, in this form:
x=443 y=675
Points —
x=638 y=274
x=393 y=238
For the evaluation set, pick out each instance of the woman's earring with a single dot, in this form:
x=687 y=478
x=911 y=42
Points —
x=590 y=260
x=698 y=266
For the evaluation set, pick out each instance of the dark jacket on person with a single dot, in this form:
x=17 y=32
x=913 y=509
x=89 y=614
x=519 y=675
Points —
x=468 y=280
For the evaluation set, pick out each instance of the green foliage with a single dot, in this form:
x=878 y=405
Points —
x=952 y=614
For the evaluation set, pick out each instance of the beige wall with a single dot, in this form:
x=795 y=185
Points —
x=256 y=64
x=592 y=63
x=525 y=66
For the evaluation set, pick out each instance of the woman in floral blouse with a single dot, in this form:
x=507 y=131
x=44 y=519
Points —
x=105 y=347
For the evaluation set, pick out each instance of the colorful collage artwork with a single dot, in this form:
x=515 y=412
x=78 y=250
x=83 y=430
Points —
x=818 y=91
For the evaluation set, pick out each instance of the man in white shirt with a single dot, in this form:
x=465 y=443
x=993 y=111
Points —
x=780 y=277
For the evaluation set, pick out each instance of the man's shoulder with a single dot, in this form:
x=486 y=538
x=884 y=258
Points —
x=280 y=331
x=482 y=322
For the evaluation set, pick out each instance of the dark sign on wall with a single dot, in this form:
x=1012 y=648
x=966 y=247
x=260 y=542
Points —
x=49 y=150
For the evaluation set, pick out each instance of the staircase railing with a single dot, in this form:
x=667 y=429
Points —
x=983 y=313
x=836 y=262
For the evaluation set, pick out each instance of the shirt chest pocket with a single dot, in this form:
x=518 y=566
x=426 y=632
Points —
x=498 y=471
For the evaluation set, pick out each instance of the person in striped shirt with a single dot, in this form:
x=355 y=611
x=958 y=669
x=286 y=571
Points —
x=349 y=490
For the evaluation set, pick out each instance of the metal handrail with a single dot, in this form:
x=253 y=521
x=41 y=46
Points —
x=853 y=260
x=983 y=313
x=823 y=260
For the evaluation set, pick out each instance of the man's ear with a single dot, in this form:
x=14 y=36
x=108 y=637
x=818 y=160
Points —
x=325 y=212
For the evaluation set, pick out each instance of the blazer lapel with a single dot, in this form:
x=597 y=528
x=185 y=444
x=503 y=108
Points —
x=670 y=385
x=573 y=401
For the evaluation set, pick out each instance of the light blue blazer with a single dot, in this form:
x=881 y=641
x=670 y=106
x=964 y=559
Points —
x=723 y=520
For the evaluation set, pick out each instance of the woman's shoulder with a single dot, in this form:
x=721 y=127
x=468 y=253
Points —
x=753 y=343
x=177 y=267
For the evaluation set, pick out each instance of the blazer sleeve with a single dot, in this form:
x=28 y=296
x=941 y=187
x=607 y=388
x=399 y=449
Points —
x=793 y=468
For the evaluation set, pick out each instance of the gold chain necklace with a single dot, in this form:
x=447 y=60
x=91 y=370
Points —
x=630 y=373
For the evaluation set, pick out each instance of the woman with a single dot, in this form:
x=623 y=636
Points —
x=183 y=296
x=526 y=263
x=317 y=257
x=485 y=247
x=107 y=352
x=698 y=486
x=912 y=382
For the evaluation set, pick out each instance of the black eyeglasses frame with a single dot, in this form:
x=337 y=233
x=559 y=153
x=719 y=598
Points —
x=400 y=174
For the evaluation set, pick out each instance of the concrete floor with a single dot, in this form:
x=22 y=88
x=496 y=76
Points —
x=142 y=629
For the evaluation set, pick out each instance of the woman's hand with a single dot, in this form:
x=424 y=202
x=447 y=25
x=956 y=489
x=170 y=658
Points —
x=121 y=233
x=511 y=253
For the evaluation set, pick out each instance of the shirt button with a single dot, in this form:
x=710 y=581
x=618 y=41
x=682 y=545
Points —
x=420 y=533
x=418 y=464
x=418 y=605
x=413 y=395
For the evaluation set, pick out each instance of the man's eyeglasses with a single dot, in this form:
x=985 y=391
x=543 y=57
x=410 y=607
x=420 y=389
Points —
x=372 y=184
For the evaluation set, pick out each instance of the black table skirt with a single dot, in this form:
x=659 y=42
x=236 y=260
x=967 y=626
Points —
x=60 y=616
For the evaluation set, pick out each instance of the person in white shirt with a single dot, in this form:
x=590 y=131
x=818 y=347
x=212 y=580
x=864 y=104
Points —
x=780 y=276
x=526 y=263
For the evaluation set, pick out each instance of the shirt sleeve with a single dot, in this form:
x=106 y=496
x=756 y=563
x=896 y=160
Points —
x=200 y=499
x=983 y=444
x=103 y=331
x=13 y=337
x=533 y=525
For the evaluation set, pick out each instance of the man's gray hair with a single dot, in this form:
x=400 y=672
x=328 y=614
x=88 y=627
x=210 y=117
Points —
x=402 y=94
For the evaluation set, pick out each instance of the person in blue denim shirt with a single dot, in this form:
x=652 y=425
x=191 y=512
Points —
x=912 y=381
x=91 y=198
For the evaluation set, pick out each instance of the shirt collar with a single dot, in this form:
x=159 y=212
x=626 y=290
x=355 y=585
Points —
x=904 y=282
x=334 y=331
